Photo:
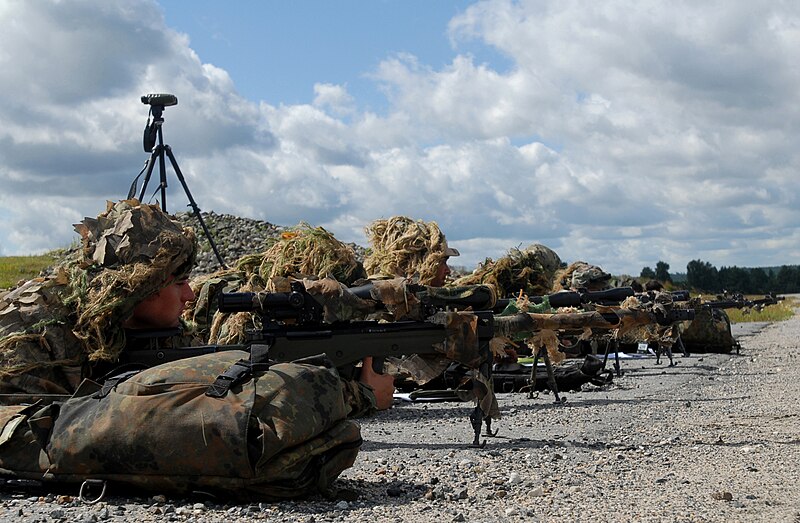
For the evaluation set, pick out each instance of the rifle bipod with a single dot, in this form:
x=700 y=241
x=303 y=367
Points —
x=660 y=349
x=477 y=420
x=551 y=377
x=615 y=344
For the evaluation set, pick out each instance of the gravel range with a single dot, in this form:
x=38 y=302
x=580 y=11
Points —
x=714 y=438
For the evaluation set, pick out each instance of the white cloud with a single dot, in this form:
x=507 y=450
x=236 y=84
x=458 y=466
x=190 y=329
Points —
x=620 y=133
x=335 y=98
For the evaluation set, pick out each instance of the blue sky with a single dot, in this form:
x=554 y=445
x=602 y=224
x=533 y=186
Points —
x=619 y=132
x=276 y=51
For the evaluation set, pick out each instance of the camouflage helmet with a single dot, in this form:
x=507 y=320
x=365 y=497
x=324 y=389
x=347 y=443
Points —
x=129 y=252
x=546 y=256
x=405 y=247
x=581 y=275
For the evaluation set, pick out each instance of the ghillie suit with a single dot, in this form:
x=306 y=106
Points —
x=529 y=271
x=627 y=281
x=405 y=247
x=55 y=330
x=414 y=249
x=301 y=252
x=581 y=275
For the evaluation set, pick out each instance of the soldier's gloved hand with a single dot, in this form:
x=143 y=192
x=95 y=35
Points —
x=382 y=384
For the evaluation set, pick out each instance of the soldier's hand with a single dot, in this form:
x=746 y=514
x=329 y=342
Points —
x=381 y=384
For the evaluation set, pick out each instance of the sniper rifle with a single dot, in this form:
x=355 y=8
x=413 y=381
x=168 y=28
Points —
x=581 y=297
x=293 y=328
x=740 y=301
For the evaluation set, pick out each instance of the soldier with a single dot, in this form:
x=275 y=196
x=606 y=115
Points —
x=409 y=248
x=131 y=272
x=530 y=271
x=280 y=431
x=301 y=252
x=581 y=275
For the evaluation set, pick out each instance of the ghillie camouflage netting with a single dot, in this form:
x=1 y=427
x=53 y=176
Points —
x=304 y=251
x=529 y=271
x=581 y=275
x=129 y=252
x=301 y=252
x=405 y=247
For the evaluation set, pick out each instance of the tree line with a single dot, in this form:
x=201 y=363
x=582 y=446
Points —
x=703 y=276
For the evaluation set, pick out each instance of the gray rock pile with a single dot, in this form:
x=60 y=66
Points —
x=233 y=236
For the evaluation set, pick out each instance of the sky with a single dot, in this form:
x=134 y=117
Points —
x=620 y=133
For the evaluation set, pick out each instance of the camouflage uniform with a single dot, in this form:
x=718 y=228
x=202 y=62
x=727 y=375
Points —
x=56 y=330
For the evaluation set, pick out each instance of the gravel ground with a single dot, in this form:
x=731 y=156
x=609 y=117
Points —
x=712 y=439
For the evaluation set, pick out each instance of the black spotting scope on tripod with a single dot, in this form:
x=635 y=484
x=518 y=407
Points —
x=153 y=143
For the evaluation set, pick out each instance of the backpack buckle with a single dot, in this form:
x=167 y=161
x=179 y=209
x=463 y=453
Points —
x=235 y=374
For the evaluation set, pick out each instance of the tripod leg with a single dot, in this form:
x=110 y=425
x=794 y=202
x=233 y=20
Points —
x=194 y=206
x=151 y=162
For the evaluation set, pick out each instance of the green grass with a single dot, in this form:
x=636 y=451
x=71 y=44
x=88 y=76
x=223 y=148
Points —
x=783 y=310
x=16 y=268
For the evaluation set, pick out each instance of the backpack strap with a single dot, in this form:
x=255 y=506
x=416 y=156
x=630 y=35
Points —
x=110 y=383
x=240 y=371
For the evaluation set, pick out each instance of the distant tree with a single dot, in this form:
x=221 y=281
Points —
x=703 y=276
x=773 y=281
x=662 y=272
x=759 y=281
x=647 y=273
x=735 y=279
x=787 y=279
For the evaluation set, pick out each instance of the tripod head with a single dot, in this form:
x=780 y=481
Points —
x=157 y=103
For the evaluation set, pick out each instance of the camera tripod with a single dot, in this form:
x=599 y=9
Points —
x=152 y=133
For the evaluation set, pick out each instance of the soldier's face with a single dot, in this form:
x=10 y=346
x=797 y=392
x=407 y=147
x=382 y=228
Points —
x=441 y=274
x=163 y=309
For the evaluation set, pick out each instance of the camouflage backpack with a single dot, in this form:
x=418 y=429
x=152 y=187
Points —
x=709 y=331
x=221 y=423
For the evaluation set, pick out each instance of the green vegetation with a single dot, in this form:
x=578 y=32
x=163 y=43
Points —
x=16 y=268
x=782 y=310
